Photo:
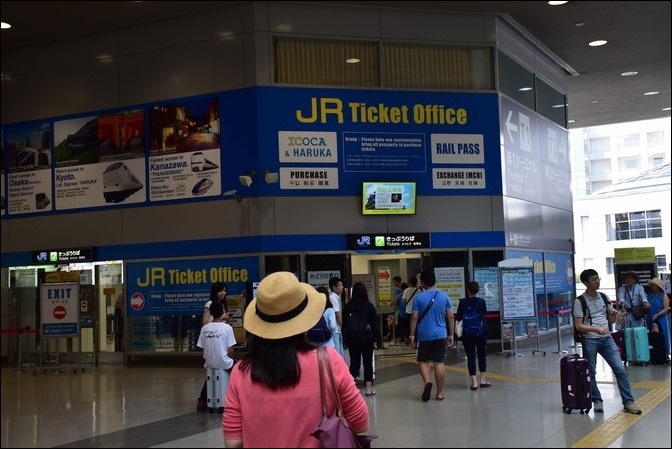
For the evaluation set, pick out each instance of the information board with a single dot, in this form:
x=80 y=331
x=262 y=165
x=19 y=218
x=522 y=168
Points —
x=516 y=288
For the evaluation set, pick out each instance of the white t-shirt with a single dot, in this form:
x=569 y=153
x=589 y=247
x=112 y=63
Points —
x=336 y=302
x=216 y=338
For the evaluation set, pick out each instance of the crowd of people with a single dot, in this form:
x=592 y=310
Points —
x=281 y=368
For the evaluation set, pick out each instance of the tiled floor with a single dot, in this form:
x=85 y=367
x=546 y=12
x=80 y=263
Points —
x=119 y=406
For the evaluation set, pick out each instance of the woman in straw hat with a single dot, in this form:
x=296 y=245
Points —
x=274 y=397
x=631 y=294
x=657 y=313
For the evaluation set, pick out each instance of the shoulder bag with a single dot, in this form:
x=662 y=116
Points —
x=334 y=431
x=409 y=304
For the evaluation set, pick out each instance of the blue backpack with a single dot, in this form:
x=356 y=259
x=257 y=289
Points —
x=472 y=322
x=320 y=332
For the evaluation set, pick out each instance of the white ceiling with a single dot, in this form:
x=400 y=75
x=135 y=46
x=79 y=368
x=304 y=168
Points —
x=638 y=34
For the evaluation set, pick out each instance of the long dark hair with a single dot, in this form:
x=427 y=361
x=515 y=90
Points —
x=216 y=288
x=274 y=363
x=360 y=295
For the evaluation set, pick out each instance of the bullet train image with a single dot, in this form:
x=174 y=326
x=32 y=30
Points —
x=200 y=163
x=119 y=183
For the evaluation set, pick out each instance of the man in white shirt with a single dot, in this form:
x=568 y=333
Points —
x=336 y=289
x=632 y=294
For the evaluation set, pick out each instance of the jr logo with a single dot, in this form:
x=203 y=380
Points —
x=364 y=241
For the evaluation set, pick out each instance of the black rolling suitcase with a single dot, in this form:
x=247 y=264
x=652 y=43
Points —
x=575 y=384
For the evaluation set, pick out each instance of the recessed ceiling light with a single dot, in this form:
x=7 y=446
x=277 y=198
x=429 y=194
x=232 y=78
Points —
x=556 y=3
x=5 y=25
x=651 y=93
x=666 y=109
x=352 y=60
x=579 y=24
x=598 y=43
x=557 y=106
x=633 y=73
x=595 y=101
x=524 y=89
x=571 y=121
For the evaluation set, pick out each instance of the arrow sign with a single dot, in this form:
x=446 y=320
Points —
x=510 y=127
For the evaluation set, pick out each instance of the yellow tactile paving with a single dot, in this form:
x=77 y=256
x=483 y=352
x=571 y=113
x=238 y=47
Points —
x=614 y=427
x=610 y=430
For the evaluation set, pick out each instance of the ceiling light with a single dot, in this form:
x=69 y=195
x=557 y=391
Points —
x=633 y=73
x=557 y=106
x=5 y=25
x=524 y=89
x=595 y=101
x=352 y=60
x=579 y=24
x=651 y=93
x=598 y=43
x=556 y=3
x=571 y=121
x=666 y=109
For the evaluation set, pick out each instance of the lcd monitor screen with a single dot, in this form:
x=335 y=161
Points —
x=388 y=198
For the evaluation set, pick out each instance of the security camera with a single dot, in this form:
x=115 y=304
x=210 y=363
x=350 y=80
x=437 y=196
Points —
x=245 y=180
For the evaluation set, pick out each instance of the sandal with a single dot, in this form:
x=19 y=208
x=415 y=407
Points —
x=473 y=387
x=485 y=384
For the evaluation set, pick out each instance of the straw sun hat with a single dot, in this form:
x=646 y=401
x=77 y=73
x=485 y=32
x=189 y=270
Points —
x=657 y=282
x=283 y=307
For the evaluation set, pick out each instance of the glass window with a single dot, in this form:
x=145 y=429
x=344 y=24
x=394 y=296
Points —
x=515 y=80
x=436 y=67
x=638 y=225
x=661 y=262
x=599 y=145
x=655 y=138
x=324 y=62
x=551 y=103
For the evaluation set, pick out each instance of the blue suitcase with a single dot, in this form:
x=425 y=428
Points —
x=575 y=384
x=637 y=346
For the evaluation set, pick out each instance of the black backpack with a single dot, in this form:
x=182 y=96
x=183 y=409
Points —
x=357 y=329
x=320 y=332
x=578 y=336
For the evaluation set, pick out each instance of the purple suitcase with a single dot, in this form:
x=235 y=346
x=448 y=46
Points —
x=619 y=338
x=575 y=384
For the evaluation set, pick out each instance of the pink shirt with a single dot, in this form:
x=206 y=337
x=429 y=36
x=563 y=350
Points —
x=286 y=417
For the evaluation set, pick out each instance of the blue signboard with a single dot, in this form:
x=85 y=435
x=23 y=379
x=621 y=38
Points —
x=182 y=287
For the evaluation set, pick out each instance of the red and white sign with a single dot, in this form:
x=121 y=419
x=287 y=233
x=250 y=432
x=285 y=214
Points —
x=137 y=301
x=59 y=312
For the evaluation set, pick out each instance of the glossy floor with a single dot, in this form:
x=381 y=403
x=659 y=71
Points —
x=130 y=406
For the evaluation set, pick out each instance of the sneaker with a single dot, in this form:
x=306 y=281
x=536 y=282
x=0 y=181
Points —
x=201 y=405
x=598 y=407
x=631 y=407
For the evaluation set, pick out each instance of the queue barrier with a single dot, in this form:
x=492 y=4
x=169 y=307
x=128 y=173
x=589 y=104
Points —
x=20 y=331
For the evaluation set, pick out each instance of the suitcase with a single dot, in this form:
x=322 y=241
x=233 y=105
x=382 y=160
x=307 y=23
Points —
x=619 y=338
x=217 y=382
x=575 y=384
x=657 y=345
x=637 y=346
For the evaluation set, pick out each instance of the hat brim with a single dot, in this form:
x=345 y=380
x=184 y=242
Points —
x=293 y=326
x=657 y=282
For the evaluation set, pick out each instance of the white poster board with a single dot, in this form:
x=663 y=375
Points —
x=59 y=309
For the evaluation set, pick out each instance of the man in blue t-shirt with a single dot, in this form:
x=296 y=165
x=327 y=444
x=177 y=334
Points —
x=432 y=334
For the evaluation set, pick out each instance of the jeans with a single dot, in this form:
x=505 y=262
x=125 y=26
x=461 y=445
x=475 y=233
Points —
x=606 y=347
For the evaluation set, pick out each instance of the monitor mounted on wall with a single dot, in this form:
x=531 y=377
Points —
x=388 y=198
